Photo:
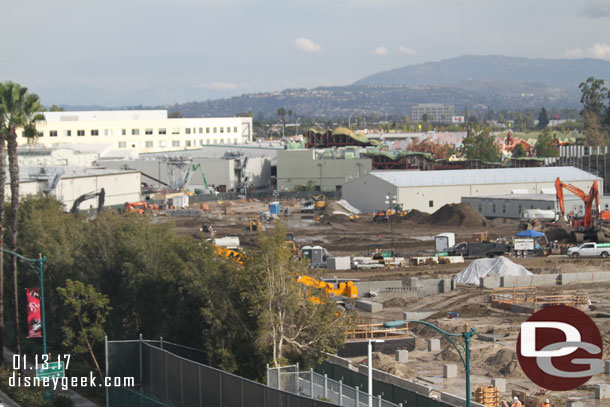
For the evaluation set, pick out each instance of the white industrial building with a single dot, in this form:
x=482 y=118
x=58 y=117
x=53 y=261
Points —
x=427 y=191
x=67 y=184
x=140 y=130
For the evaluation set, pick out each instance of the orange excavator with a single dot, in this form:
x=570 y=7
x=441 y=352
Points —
x=589 y=227
x=136 y=207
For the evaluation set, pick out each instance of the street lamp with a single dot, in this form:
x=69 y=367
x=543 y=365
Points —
x=370 y=358
x=465 y=357
x=37 y=265
x=320 y=165
x=390 y=200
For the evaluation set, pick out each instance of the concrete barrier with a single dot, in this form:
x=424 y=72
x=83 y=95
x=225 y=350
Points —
x=369 y=306
x=490 y=282
x=539 y=280
x=457 y=401
x=417 y=315
x=364 y=287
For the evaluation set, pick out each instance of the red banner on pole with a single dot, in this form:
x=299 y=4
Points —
x=34 y=324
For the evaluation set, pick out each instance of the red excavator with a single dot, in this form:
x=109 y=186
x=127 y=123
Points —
x=590 y=227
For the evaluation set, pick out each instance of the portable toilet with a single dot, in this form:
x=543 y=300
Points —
x=443 y=241
x=317 y=256
x=306 y=252
x=275 y=208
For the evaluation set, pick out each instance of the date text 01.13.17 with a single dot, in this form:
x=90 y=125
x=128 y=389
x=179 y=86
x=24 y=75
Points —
x=43 y=360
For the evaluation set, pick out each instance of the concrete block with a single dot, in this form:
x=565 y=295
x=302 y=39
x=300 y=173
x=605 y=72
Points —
x=413 y=282
x=449 y=371
x=607 y=367
x=499 y=383
x=490 y=282
x=417 y=315
x=402 y=356
x=369 y=306
x=434 y=345
x=576 y=403
x=602 y=391
x=339 y=263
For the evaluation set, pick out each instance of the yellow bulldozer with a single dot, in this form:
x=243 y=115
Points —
x=254 y=225
x=319 y=201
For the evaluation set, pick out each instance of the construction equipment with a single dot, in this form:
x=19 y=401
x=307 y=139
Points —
x=254 y=225
x=136 y=207
x=380 y=217
x=319 y=201
x=588 y=228
x=230 y=254
x=100 y=200
x=343 y=289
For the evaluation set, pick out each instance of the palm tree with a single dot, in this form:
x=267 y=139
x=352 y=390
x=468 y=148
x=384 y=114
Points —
x=20 y=110
x=2 y=182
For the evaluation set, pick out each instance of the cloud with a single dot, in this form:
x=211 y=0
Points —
x=306 y=45
x=598 y=51
x=380 y=51
x=404 y=50
x=221 y=85
x=596 y=8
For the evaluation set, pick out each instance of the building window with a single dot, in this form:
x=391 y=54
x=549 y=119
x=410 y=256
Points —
x=207 y=130
x=222 y=129
x=235 y=129
x=135 y=132
x=149 y=144
x=162 y=131
x=215 y=141
x=201 y=130
x=40 y=134
x=228 y=129
x=201 y=143
x=480 y=208
x=493 y=208
x=162 y=143
x=123 y=132
x=95 y=132
x=53 y=133
x=431 y=204
x=187 y=131
x=107 y=132
x=67 y=133
x=187 y=143
x=122 y=144
x=214 y=129
x=175 y=143
x=175 y=130
x=520 y=209
x=80 y=133
x=148 y=132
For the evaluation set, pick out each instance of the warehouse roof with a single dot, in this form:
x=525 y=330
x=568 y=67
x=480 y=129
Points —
x=406 y=178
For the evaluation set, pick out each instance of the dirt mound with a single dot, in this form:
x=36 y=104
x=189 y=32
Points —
x=505 y=362
x=390 y=365
x=460 y=214
x=396 y=302
x=416 y=216
x=557 y=234
x=448 y=355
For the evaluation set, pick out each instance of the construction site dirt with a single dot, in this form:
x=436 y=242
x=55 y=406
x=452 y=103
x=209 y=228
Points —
x=413 y=235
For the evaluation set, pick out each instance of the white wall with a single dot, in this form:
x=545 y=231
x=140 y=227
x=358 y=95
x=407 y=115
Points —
x=119 y=188
x=368 y=193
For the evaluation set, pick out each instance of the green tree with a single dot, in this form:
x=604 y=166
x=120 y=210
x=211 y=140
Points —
x=281 y=112
x=518 y=151
x=20 y=110
x=594 y=135
x=83 y=326
x=480 y=145
x=544 y=145
x=55 y=108
x=175 y=115
x=593 y=95
x=543 y=119
x=291 y=327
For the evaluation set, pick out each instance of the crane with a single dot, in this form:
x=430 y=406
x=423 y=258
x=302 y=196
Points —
x=100 y=200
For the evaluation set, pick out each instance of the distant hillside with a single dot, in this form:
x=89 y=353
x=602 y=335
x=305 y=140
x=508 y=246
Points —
x=341 y=101
x=557 y=73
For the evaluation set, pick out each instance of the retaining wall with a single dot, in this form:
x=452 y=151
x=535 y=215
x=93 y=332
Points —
x=543 y=279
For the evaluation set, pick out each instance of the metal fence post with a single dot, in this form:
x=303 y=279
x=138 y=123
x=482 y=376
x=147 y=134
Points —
x=268 y=376
x=399 y=404
x=379 y=400
x=296 y=388
x=140 y=342
x=106 y=363
x=325 y=386
x=357 y=397
x=161 y=342
x=311 y=382
x=340 y=392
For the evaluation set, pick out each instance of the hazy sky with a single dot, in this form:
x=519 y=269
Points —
x=125 y=52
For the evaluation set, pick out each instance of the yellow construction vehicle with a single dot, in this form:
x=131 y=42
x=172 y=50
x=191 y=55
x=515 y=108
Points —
x=254 y=225
x=319 y=201
x=345 y=289
x=230 y=254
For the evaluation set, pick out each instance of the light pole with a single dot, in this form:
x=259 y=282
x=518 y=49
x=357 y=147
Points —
x=465 y=357
x=320 y=165
x=370 y=368
x=390 y=200
x=37 y=265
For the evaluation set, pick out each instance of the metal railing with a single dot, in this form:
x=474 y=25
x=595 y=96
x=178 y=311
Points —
x=316 y=386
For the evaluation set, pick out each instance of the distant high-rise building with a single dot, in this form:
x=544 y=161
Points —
x=437 y=112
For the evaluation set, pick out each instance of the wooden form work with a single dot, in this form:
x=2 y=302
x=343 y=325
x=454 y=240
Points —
x=375 y=331
x=487 y=395
x=538 y=299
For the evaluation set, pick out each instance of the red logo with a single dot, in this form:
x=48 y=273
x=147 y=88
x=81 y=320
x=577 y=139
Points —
x=559 y=348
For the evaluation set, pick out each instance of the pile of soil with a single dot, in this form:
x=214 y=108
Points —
x=389 y=364
x=448 y=355
x=460 y=214
x=416 y=216
x=505 y=362
x=396 y=302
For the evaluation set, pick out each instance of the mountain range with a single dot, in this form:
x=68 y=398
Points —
x=468 y=82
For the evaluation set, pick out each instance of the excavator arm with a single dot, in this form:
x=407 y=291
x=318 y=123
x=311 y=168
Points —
x=559 y=186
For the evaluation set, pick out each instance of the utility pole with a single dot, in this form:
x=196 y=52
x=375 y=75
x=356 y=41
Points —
x=390 y=200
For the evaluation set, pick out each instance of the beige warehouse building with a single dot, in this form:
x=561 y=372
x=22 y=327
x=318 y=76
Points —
x=427 y=191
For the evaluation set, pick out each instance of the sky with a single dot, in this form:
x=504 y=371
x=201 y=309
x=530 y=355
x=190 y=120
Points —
x=159 y=52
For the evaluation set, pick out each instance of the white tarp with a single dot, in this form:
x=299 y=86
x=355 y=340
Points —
x=346 y=205
x=499 y=266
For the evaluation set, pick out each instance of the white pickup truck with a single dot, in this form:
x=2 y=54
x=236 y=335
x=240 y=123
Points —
x=590 y=250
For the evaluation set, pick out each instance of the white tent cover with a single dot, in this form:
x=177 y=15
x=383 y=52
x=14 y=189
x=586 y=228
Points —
x=498 y=266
